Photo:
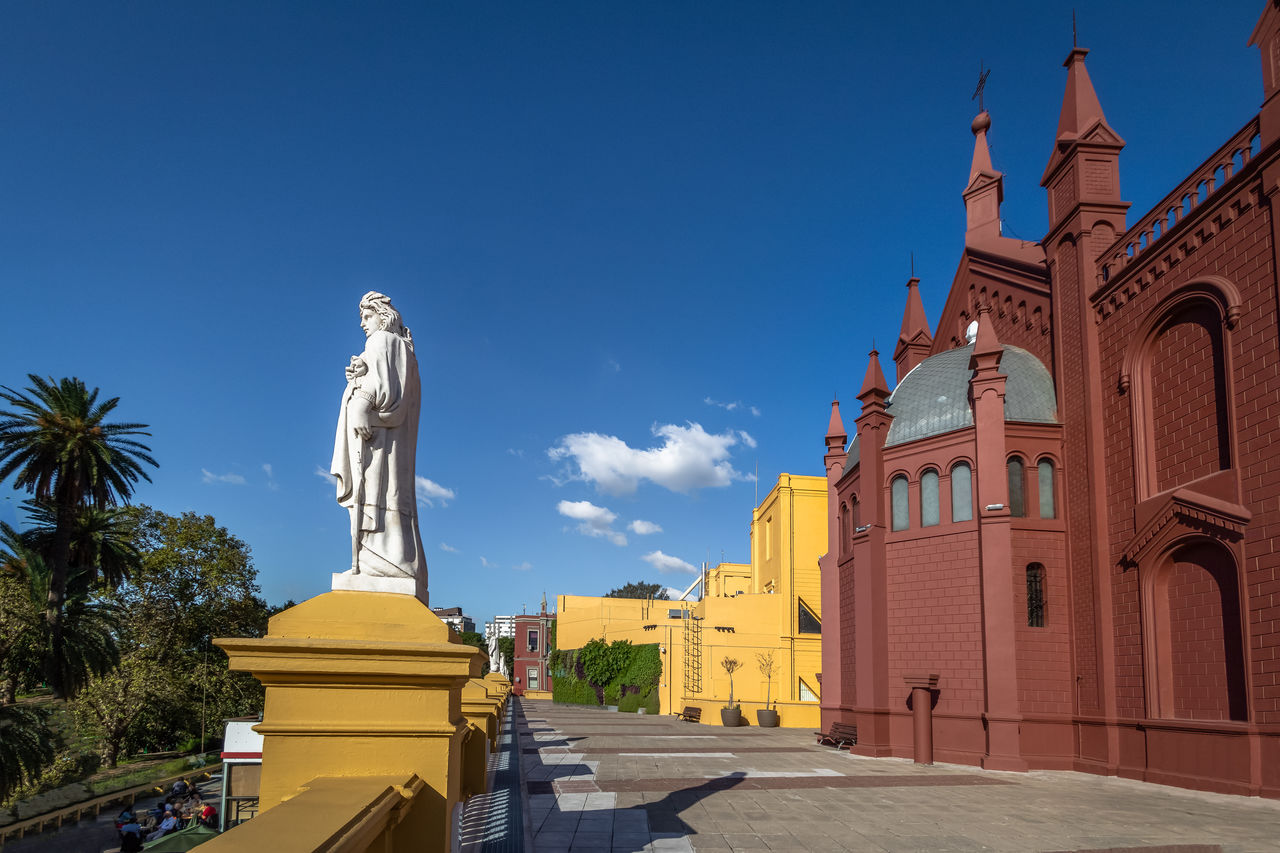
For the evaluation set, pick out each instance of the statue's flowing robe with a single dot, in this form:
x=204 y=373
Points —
x=387 y=514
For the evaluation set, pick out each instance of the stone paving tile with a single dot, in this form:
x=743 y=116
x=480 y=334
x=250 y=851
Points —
x=705 y=788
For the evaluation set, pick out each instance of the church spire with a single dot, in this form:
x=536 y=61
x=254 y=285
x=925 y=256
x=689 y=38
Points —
x=836 y=436
x=875 y=390
x=985 y=190
x=1081 y=117
x=1080 y=106
x=915 y=340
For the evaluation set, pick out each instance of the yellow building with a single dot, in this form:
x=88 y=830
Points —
x=774 y=604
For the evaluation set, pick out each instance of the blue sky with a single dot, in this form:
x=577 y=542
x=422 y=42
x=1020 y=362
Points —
x=613 y=228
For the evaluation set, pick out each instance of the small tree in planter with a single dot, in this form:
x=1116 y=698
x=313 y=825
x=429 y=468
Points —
x=767 y=717
x=730 y=714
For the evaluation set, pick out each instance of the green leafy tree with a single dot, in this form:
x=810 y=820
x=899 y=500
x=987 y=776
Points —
x=57 y=445
x=640 y=589
x=112 y=706
x=195 y=581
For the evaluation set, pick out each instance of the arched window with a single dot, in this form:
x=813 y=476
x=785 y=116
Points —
x=898 y=494
x=929 y=499
x=1035 y=596
x=1017 y=488
x=846 y=532
x=1044 y=474
x=961 y=492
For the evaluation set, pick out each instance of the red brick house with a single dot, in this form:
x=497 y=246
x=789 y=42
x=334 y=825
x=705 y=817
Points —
x=529 y=670
x=1068 y=508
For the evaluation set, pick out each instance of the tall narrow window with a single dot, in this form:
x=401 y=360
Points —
x=846 y=532
x=898 y=493
x=1017 y=489
x=961 y=492
x=1045 y=476
x=929 y=499
x=1035 y=596
x=533 y=640
x=531 y=682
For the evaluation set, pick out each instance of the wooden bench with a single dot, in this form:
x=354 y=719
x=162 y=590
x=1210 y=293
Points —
x=841 y=734
x=691 y=714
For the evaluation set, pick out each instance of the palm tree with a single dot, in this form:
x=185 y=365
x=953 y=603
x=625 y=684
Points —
x=90 y=623
x=101 y=540
x=56 y=445
x=26 y=745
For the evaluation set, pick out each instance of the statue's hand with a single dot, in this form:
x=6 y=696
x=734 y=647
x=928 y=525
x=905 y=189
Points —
x=356 y=368
x=360 y=416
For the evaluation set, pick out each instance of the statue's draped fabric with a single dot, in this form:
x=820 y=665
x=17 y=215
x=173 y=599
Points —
x=375 y=477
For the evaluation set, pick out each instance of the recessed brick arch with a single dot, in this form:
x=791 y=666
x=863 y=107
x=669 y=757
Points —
x=1193 y=636
x=1177 y=374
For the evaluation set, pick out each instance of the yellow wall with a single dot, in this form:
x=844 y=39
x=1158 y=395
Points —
x=748 y=609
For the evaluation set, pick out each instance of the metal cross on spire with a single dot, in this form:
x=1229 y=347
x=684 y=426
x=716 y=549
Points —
x=982 y=84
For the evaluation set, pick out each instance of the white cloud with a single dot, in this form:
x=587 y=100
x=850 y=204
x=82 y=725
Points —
x=445 y=546
x=486 y=563
x=746 y=438
x=271 y=477
x=430 y=491
x=690 y=458
x=592 y=520
x=523 y=567
x=322 y=471
x=732 y=406
x=666 y=563
x=613 y=366
x=266 y=466
x=519 y=454
x=673 y=593
x=643 y=528
x=230 y=479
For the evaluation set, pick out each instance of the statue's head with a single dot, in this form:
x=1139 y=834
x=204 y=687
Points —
x=377 y=314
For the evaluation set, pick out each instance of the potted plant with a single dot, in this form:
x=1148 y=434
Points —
x=731 y=714
x=767 y=717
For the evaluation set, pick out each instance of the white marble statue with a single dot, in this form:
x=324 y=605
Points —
x=373 y=456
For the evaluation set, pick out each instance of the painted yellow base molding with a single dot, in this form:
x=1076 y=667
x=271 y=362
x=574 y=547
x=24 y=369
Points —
x=362 y=687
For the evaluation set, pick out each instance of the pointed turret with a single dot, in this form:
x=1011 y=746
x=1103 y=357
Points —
x=987 y=350
x=875 y=390
x=1081 y=118
x=914 y=341
x=1266 y=37
x=985 y=190
x=836 y=436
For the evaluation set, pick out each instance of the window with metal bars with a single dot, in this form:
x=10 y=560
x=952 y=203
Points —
x=1035 y=596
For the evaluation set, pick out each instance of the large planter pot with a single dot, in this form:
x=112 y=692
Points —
x=767 y=719
x=730 y=718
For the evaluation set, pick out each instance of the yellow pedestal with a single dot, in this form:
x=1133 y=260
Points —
x=361 y=684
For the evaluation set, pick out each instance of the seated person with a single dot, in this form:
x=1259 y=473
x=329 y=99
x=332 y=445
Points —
x=180 y=788
x=208 y=816
x=168 y=825
x=130 y=836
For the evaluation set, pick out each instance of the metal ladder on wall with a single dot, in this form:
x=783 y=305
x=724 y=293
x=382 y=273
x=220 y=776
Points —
x=692 y=654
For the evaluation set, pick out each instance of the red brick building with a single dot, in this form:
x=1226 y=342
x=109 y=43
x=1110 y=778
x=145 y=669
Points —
x=1068 y=509
x=529 y=670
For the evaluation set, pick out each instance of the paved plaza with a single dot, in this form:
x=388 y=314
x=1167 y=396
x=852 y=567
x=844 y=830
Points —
x=601 y=781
